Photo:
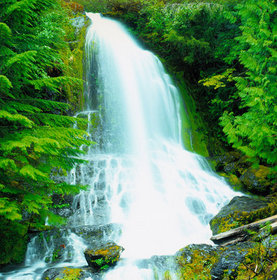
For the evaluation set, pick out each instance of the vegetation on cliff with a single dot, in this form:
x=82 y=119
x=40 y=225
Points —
x=38 y=141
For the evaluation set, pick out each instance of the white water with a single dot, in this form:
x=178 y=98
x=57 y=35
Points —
x=140 y=174
x=167 y=195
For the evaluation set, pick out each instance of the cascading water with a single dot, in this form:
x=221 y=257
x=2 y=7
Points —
x=140 y=174
x=166 y=196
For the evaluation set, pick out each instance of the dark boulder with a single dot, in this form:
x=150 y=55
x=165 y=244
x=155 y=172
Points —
x=240 y=210
x=97 y=233
x=230 y=260
x=197 y=260
x=256 y=180
x=103 y=256
x=58 y=273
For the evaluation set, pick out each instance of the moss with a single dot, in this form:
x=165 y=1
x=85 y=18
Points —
x=240 y=218
x=197 y=265
x=103 y=258
x=260 y=261
x=71 y=274
x=73 y=59
x=193 y=129
x=234 y=181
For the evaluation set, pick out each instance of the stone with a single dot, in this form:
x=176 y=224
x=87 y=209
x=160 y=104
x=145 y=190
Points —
x=230 y=260
x=255 y=180
x=97 y=234
x=59 y=273
x=55 y=245
x=103 y=256
x=222 y=161
x=197 y=260
x=236 y=213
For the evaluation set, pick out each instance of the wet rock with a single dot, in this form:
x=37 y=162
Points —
x=230 y=260
x=256 y=181
x=62 y=205
x=97 y=234
x=103 y=256
x=197 y=260
x=160 y=263
x=239 y=211
x=56 y=245
x=59 y=273
x=53 y=273
x=203 y=249
x=224 y=160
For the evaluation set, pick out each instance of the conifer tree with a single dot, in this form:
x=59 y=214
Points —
x=37 y=139
x=253 y=129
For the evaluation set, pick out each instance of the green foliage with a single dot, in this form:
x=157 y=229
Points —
x=37 y=139
x=253 y=129
x=13 y=241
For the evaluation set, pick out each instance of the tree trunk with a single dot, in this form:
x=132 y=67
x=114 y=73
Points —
x=240 y=234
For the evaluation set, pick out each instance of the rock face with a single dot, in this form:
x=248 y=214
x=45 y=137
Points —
x=237 y=169
x=255 y=180
x=56 y=245
x=103 y=256
x=244 y=260
x=196 y=261
x=230 y=260
x=242 y=210
x=70 y=273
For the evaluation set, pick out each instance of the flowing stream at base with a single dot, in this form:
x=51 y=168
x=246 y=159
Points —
x=140 y=174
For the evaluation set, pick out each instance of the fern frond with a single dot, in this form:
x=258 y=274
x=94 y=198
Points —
x=5 y=86
x=57 y=120
x=47 y=105
x=5 y=31
x=54 y=83
x=6 y=163
x=33 y=173
x=9 y=209
x=16 y=107
x=16 y=118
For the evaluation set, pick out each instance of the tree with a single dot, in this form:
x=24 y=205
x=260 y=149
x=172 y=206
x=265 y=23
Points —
x=37 y=138
x=253 y=129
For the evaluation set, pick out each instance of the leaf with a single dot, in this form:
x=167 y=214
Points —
x=5 y=86
x=6 y=163
x=33 y=173
x=17 y=118
x=9 y=209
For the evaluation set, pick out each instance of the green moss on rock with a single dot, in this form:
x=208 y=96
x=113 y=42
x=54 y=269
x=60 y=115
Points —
x=103 y=256
x=196 y=261
x=241 y=211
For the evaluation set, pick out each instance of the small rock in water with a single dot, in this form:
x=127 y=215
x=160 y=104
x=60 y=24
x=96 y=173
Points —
x=103 y=256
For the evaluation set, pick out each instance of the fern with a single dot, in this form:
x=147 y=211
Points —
x=37 y=135
x=16 y=118
x=5 y=86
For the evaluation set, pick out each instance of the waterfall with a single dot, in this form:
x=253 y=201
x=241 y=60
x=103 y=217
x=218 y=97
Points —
x=140 y=174
x=166 y=196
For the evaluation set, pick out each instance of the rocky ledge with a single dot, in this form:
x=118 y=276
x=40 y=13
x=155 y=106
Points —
x=250 y=258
